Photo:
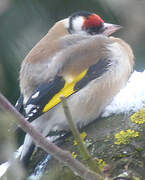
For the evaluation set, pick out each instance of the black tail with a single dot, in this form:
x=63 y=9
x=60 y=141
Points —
x=26 y=158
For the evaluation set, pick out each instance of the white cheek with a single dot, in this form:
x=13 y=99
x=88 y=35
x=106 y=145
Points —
x=78 y=23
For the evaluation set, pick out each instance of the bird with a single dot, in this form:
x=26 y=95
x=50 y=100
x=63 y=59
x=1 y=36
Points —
x=79 y=59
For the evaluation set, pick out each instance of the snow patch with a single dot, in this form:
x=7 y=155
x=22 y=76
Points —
x=131 y=98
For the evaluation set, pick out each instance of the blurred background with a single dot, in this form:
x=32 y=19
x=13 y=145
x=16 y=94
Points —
x=24 y=23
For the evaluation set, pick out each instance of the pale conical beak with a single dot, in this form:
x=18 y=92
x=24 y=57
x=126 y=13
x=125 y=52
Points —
x=109 y=29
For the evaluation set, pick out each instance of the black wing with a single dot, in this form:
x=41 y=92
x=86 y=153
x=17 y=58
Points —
x=41 y=96
x=45 y=94
x=19 y=105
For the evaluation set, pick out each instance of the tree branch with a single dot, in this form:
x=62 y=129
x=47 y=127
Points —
x=59 y=154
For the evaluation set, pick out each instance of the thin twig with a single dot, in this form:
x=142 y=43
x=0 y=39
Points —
x=59 y=154
x=83 y=150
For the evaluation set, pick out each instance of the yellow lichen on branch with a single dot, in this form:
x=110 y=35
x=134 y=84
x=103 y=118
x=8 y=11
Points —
x=138 y=117
x=124 y=137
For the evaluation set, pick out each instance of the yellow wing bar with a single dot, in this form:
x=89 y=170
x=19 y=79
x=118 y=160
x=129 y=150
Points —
x=66 y=91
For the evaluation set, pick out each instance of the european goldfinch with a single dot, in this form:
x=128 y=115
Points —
x=78 y=59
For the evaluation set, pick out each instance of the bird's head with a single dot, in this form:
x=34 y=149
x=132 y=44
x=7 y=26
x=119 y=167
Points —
x=90 y=23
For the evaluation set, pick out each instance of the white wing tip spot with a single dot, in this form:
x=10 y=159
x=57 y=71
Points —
x=35 y=95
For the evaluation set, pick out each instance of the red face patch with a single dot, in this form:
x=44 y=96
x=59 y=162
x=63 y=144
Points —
x=93 y=21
